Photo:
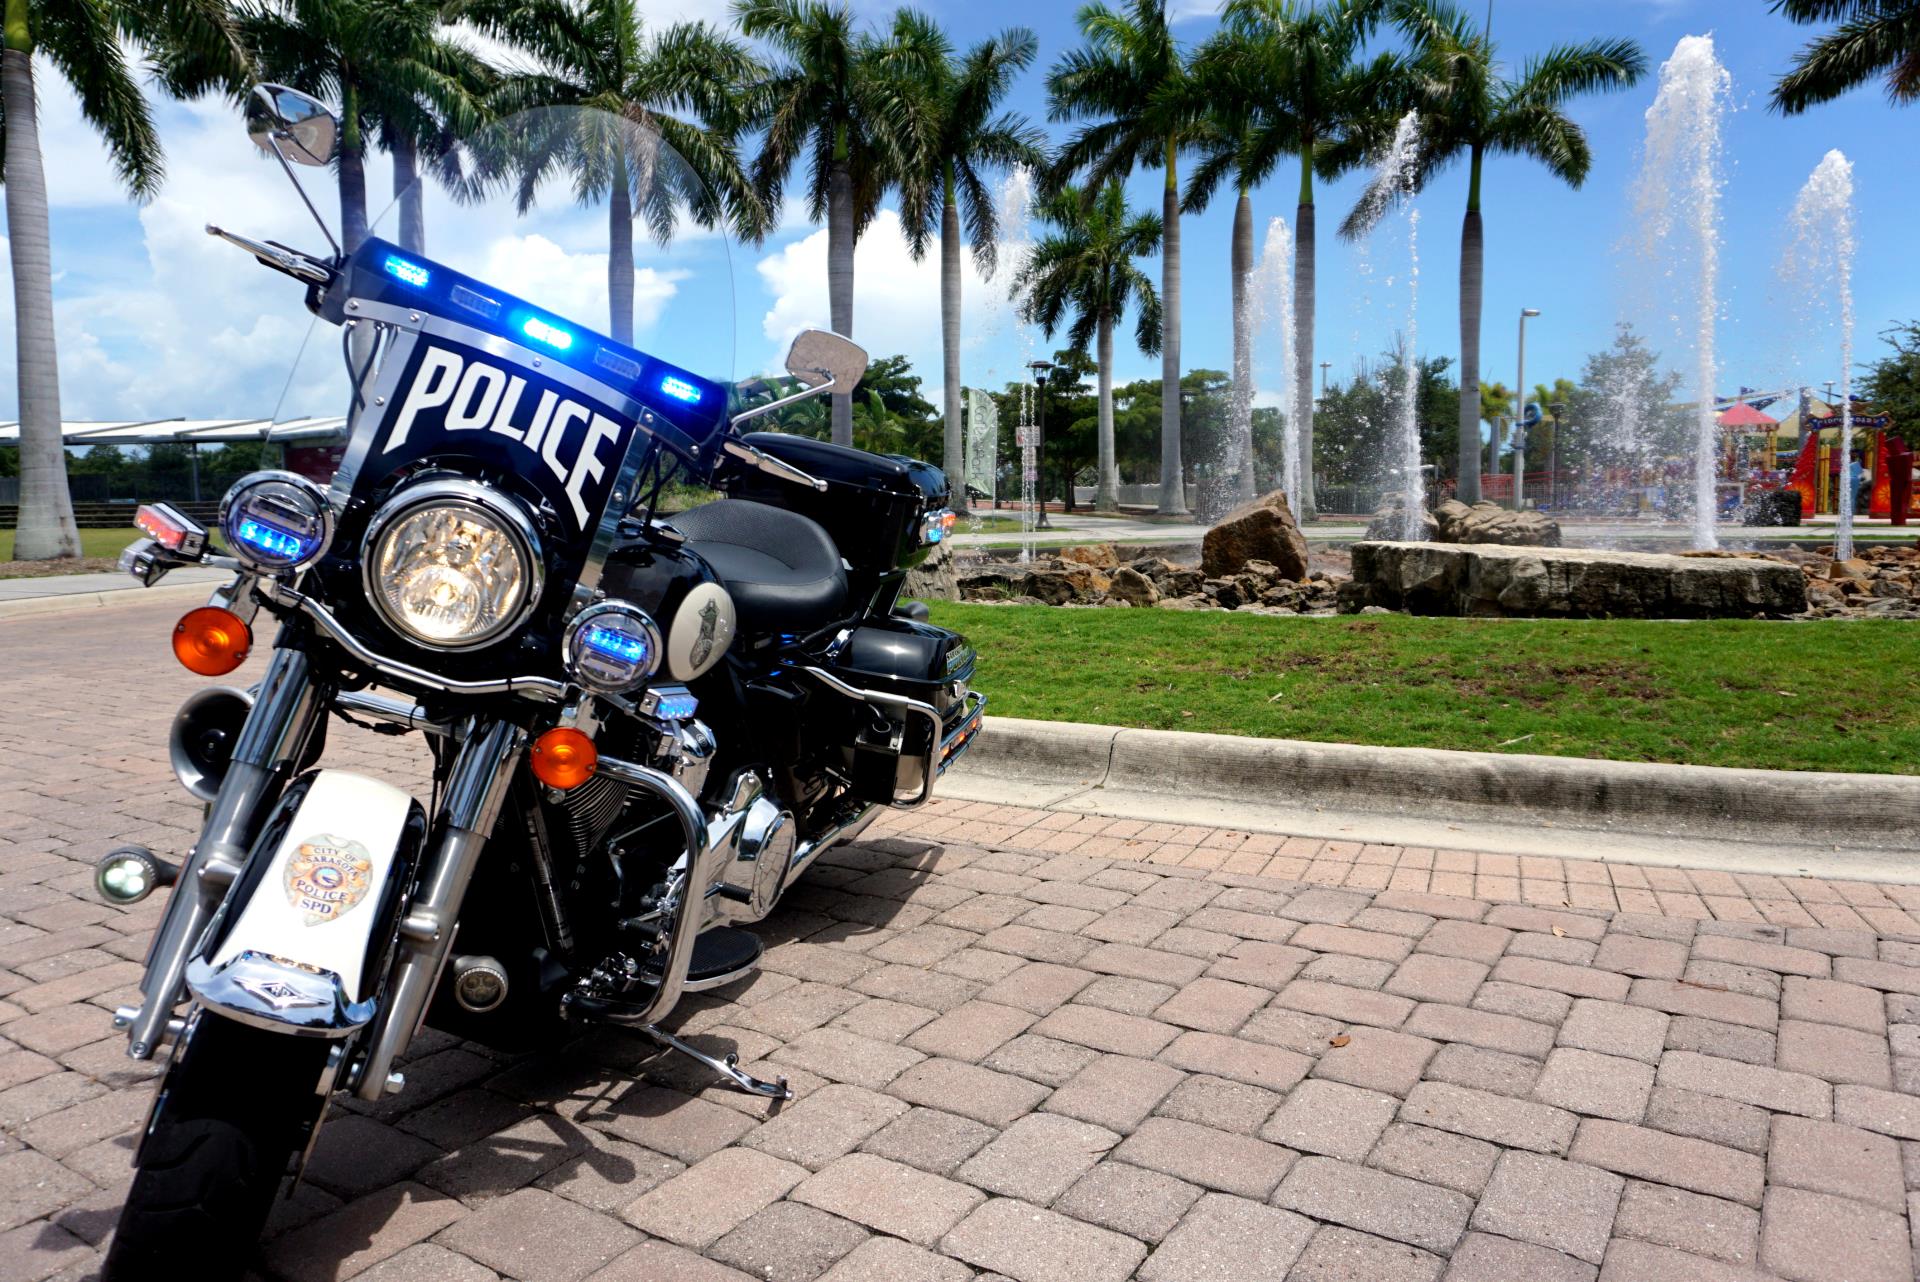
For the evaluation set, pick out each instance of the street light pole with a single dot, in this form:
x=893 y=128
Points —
x=1324 y=367
x=1520 y=414
x=1040 y=371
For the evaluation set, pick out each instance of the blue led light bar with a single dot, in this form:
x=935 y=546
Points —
x=274 y=542
x=680 y=389
x=543 y=331
x=412 y=273
x=616 y=645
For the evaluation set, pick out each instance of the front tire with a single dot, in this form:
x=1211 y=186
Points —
x=235 y=1107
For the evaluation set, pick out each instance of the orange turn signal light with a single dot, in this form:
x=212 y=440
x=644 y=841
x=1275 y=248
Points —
x=563 y=758
x=211 y=641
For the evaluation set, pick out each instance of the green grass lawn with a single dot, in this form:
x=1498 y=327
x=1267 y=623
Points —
x=1799 y=696
x=92 y=542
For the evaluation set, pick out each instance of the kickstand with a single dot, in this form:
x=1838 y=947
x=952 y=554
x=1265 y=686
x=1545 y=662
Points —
x=728 y=1068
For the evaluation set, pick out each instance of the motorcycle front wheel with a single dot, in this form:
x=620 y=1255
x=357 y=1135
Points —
x=234 y=1108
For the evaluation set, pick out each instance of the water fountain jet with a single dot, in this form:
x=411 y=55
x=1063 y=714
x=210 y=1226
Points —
x=1677 y=201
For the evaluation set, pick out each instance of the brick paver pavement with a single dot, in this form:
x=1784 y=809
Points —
x=1039 y=1046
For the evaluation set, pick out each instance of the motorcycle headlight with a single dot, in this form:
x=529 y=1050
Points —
x=276 y=522
x=452 y=563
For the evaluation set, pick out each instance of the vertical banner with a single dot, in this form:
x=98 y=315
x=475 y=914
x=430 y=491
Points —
x=982 y=444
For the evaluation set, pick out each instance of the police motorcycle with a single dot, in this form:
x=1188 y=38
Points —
x=643 y=728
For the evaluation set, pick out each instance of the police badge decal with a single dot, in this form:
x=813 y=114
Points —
x=327 y=876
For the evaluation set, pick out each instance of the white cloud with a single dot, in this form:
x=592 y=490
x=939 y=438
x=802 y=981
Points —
x=896 y=305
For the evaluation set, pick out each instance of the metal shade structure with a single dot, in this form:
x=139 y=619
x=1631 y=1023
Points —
x=187 y=431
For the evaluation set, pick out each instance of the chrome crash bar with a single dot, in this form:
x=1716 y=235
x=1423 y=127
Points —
x=544 y=689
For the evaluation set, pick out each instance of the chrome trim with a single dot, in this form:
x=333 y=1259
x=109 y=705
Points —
x=961 y=737
x=456 y=493
x=267 y=992
x=570 y=641
x=268 y=749
x=545 y=689
x=911 y=707
x=404 y=713
x=298 y=482
x=476 y=791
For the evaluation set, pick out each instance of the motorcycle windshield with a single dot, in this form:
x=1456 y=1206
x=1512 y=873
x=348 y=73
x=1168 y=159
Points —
x=552 y=299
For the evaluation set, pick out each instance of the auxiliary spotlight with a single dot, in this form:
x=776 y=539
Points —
x=128 y=875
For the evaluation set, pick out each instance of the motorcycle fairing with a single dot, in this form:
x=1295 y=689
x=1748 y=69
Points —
x=481 y=394
x=296 y=957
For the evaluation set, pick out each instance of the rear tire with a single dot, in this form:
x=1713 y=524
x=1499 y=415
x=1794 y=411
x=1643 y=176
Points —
x=235 y=1108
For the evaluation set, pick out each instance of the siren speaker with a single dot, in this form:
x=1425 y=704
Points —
x=204 y=731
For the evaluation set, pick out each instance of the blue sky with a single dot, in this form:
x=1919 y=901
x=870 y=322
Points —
x=156 y=320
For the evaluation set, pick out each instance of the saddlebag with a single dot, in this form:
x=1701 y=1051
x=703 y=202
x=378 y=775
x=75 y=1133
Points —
x=913 y=715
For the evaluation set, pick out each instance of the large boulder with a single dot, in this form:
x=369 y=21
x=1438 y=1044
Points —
x=1491 y=523
x=1440 y=578
x=1262 y=530
x=1133 y=587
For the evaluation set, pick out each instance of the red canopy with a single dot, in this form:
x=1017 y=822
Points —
x=1742 y=414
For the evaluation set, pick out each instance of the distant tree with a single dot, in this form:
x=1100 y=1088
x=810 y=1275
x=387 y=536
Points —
x=1623 y=412
x=1893 y=382
x=1874 y=38
x=1357 y=419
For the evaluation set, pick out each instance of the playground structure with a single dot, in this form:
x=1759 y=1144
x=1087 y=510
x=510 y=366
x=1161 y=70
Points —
x=1814 y=468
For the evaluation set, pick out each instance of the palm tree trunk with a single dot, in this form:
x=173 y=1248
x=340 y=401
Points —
x=1173 y=488
x=1242 y=479
x=353 y=173
x=1106 y=493
x=620 y=255
x=1303 y=263
x=1472 y=274
x=46 y=529
x=956 y=449
x=840 y=281
x=406 y=185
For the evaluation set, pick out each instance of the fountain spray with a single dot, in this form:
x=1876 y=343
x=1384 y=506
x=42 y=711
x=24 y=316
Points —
x=1823 y=225
x=1271 y=295
x=1677 y=200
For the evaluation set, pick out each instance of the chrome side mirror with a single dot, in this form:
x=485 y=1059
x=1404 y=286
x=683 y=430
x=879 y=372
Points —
x=818 y=358
x=296 y=126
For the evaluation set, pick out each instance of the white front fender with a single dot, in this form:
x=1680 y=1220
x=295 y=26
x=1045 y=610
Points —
x=295 y=956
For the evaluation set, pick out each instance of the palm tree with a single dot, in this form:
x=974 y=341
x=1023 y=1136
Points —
x=86 y=42
x=1467 y=109
x=1085 y=266
x=1135 y=87
x=1290 y=79
x=389 y=64
x=689 y=86
x=1875 y=37
x=966 y=138
x=853 y=105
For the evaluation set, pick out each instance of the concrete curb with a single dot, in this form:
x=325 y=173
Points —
x=1777 y=807
x=60 y=602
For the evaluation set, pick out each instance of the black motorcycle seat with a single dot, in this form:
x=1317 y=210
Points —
x=782 y=569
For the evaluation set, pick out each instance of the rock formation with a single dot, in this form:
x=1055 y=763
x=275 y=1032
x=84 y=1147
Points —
x=1261 y=530
x=1491 y=523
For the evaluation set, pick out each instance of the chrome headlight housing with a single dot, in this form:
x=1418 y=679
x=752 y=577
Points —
x=612 y=647
x=276 y=522
x=452 y=564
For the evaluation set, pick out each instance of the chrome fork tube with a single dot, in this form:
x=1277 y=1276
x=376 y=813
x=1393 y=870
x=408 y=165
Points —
x=475 y=792
x=271 y=742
